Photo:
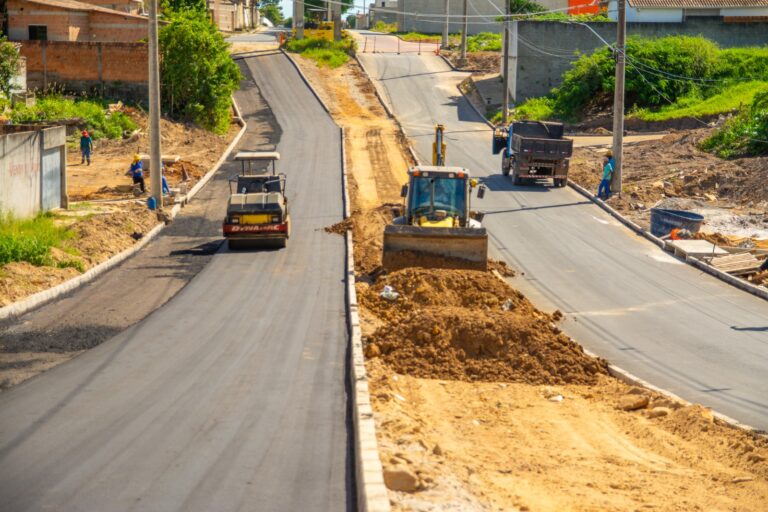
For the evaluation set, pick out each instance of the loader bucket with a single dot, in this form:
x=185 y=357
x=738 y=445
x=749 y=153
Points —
x=409 y=246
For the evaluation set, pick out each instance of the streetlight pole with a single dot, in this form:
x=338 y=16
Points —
x=505 y=106
x=463 y=58
x=446 y=27
x=618 y=98
x=155 y=158
x=298 y=18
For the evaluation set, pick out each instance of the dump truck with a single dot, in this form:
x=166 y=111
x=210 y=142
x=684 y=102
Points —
x=436 y=221
x=257 y=209
x=532 y=150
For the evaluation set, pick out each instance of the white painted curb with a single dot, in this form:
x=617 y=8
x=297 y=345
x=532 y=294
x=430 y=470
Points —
x=306 y=81
x=36 y=300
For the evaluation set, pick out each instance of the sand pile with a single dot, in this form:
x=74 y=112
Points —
x=469 y=325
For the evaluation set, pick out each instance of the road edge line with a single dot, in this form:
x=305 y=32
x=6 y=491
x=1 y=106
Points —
x=36 y=300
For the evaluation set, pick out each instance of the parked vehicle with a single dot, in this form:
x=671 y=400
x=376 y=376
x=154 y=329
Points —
x=532 y=150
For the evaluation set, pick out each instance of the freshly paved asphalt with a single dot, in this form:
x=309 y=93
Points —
x=624 y=298
x=231 y=396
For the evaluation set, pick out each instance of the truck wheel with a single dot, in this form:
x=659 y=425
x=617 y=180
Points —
x=517 y=181
x=562 y=182
x=505 y=170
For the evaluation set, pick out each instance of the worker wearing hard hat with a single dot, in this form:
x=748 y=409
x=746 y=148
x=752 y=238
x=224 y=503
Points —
x=137 y=172
x=607 y=167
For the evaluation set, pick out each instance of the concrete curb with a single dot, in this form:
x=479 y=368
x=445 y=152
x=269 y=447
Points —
x=305 y=80
x=369 y=473
x=36 y=300
x=477 y=111
x=454 y=68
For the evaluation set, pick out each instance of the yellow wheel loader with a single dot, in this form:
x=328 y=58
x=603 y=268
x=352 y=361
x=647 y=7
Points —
x=436 y=228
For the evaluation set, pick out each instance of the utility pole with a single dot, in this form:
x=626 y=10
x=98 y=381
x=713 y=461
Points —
x=618 y=98
x=155 y=158
x=336 y=16
x=463 y=58
x=446 y=27
x=298 y=18
x=505 y=106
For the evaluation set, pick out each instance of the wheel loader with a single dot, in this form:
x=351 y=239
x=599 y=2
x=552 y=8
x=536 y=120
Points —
x=437 y=223
x=257 y=210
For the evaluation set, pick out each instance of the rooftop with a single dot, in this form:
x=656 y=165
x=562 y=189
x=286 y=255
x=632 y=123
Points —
x=696 y=4
x=74 y=5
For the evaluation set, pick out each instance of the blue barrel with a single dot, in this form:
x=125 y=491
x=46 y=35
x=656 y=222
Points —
x=151 y=203
x=664 y=221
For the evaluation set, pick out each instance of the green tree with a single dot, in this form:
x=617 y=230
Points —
x=172 y=6
x=197 y=72
x=352 y=21
x=9 y=66
x=273 y=13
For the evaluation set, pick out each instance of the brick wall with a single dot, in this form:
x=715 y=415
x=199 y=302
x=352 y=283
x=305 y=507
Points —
x=71 y=25
x=111 y=69
x=112 y=28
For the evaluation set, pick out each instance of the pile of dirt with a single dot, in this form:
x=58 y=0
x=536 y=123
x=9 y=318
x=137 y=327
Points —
x=484 y=62
x=674 y=167
x=469 y=325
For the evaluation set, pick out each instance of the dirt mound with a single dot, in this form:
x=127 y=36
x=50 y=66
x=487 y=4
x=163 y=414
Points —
x=469 y=325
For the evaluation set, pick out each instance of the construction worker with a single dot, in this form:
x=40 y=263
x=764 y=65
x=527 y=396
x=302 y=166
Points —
x=86 y=147
x=604 y=190
x=137 y=172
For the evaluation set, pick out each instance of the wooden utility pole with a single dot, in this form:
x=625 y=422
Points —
x=505 y=106
x=618 y=98
x=446 y=26
x=463 y=59
x=155 y=153
x=298 y=18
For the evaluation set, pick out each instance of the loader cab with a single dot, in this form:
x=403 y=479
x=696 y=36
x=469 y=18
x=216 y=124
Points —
x=438 y=196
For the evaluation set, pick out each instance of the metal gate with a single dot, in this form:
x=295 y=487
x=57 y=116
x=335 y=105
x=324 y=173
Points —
x=51 y=182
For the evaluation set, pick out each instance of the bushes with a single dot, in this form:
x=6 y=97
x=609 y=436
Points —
x=653 y=74
x=97 y=121
x=380 y=26
x=324 y=52
x=484 y=42
x=745 y=134
x=9 y=66
x=30 y=240
x=197 y=72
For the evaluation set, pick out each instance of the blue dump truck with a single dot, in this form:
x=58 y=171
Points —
x=533 y=150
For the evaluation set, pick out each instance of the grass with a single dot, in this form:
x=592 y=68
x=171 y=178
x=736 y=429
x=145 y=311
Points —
x=484 y=42
x=96 y=119
x=327 y=53
x=730 y=99
x=31 y=240
x=380 y=26
x=746 y=134
x=536 y=109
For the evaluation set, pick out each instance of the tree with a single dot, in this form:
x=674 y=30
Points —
x=273 y=13
x=9 y=66
x=197 y=73
x=172 y=6
x=352 y=21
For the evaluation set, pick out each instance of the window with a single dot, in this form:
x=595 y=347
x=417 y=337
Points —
x=38 y=32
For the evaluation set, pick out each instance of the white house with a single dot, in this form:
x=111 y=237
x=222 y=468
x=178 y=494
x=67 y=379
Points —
x=676 y=11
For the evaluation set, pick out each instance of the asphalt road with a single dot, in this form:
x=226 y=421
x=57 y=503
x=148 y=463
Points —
x=232 y=395
x=624 y=298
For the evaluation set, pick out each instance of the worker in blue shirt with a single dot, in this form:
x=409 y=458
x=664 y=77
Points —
x=86 y=147
x=166 y=190
x=137 y=172
x=604 y=190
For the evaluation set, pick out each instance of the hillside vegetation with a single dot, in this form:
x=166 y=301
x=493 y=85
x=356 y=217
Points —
x=745 y=134
x=666 y=78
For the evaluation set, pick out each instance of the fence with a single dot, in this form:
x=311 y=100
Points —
x=32 y=169
x=390 y=44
